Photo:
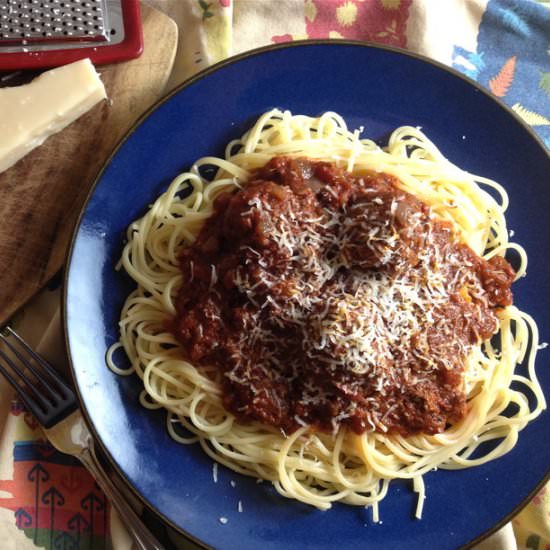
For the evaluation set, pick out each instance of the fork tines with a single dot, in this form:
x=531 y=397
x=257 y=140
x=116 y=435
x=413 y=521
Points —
x=38 y=384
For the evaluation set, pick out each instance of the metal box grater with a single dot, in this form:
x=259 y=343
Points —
x=48 y=33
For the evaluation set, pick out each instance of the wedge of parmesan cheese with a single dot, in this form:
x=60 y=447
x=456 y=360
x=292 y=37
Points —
x=31 y=113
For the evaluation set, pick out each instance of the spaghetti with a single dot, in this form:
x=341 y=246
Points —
x=311 y=465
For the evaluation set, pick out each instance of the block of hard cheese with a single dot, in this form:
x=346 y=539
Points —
x=31 y=113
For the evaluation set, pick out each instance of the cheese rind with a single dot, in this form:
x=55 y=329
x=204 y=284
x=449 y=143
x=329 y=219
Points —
x=31 y=113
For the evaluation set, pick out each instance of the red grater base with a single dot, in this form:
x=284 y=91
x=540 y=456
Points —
x=100 y=52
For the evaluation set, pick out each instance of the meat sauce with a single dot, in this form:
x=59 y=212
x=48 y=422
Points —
x=330 y=300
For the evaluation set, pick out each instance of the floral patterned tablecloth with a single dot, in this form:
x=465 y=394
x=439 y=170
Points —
x=47 y=499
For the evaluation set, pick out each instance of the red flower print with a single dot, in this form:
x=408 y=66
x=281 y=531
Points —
x=281 y=38
x=382 y=21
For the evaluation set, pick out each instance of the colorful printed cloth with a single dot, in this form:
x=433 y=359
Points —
x=48 y=500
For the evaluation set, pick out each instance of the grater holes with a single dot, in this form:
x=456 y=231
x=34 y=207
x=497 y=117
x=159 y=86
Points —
x=87 y=20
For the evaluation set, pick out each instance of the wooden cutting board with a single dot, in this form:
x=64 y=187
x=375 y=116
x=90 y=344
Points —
x=41 y=196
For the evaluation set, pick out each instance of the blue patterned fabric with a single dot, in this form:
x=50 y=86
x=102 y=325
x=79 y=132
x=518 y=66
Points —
x=513 y=59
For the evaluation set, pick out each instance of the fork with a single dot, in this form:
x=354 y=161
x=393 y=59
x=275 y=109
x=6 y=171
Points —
x=55 y=406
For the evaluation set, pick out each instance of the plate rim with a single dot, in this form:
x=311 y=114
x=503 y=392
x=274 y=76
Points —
x=146 y=114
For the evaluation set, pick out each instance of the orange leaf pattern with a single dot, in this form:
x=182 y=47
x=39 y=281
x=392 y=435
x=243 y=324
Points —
x=501 y=83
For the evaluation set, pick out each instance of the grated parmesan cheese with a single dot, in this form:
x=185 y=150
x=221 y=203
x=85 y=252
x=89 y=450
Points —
x=215 y=472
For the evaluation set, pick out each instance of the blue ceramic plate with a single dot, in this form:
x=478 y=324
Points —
x=377 y=88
